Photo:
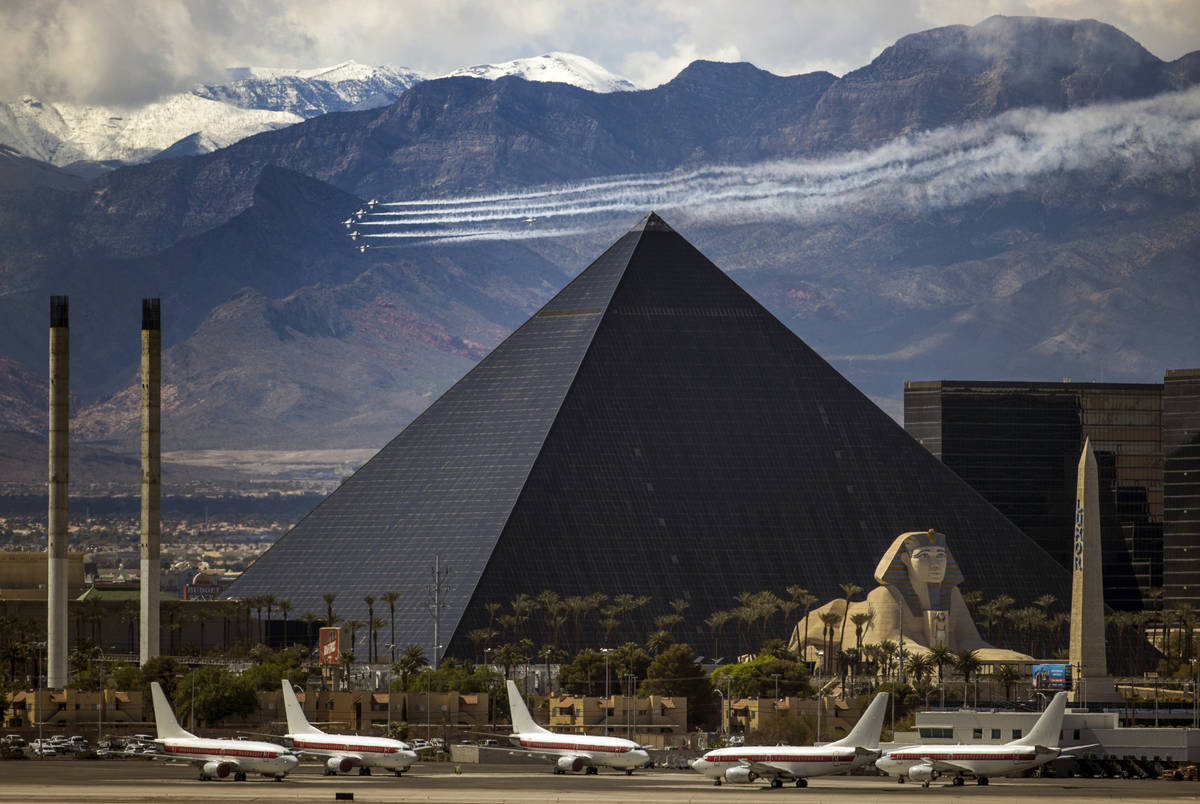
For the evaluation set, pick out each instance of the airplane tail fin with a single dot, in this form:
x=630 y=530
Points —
x=297 y=723
x=1048 y=729
x=523 y=722
x=164 y=719
x=865 y=733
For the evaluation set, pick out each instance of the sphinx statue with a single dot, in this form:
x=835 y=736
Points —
x=917 y=602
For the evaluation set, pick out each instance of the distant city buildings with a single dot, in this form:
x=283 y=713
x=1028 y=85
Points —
x=1018 y=443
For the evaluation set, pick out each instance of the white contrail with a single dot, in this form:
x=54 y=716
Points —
x=937 y=169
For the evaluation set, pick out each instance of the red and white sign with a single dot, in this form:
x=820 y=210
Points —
x=330 y=640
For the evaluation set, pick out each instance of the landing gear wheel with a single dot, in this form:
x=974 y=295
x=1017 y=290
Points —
x=900 y=780
x=983 y=780
x=279 y=778
x=592 y=770
x=958 y=781
x=776 y=783
x=717 y=783
x=629 y=772
x=399 y=773
x=558 y=772
x=925 y=783
x=802 y=783
x=364 y=771
x=330 y=773
x=239 y=777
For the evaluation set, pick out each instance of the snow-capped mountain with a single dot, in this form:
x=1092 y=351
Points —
x=309 y=93
x=255 y=99
x=66 y=133
x=563 y=68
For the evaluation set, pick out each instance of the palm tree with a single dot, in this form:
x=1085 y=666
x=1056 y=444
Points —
x=850 y=590
x=716 y=621
x=1006 y=675
x=861 y=620
x=310 y=619
x=973 y=599
x=410 y=662
x=920 y=666
x=268 y=603
x=284 y=607
x=966 y=662
x=329 y=597
x=375 y=624
x=941 y=656
x=390 y=598
x=370 y=601
x=829 y=621
x=807 y=600
x=658 y=642
x=477 y=636
x=354 y=625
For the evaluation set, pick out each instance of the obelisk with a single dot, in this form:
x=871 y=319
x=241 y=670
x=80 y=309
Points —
x=1087 y=647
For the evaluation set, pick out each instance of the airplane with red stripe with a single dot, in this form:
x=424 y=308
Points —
x=780 y=763
x=216 y=759
x=570 y=752
x=342 y=752
x=924 y=763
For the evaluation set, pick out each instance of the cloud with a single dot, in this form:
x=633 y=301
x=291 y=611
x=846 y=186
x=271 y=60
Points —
x=130 y=51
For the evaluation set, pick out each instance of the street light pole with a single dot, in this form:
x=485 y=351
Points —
x=820 y=659
x=607 y=696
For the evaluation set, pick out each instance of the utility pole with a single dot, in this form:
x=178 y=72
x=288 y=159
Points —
x=436 y=604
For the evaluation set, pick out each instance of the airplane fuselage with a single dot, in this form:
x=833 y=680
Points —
x=796 y=761
x=370 y=752
x=959 y=760
x=243 y=756
x=611 y=752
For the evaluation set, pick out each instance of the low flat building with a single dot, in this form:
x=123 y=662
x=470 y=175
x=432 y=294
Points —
x=71 y=707
x=1101 y=730
x=656 y=720
x=749 y=715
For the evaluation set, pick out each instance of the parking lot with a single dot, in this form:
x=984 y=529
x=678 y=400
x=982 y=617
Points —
x=140 y=780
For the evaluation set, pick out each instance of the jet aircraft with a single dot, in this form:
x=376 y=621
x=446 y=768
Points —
x=349 y=222
x=924 y=763
x=780 y=763
x=362 y=247
x=571 y=752
x=372 y=204
x=342 y=752
x=216 y=759
x=354 y=235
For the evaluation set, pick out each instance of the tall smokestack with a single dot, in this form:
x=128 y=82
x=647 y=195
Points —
x=151 y=475
x=56 y=521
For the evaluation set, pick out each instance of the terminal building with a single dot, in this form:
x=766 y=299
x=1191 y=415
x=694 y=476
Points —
x=651 y=431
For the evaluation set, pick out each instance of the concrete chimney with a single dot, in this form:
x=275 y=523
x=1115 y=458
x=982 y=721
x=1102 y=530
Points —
x=56 y=521
x=151 y=476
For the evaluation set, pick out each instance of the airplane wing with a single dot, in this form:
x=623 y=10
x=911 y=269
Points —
x=766 y=769
x=944 y=766
x=535 y=754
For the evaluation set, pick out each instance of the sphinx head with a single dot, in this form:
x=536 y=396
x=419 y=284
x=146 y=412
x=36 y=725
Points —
x=920 y=560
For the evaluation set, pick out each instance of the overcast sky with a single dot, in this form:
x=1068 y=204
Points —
x=130 y=51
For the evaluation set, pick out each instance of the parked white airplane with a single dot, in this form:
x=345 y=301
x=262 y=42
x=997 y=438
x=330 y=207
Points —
x=217 y=759
x=780 y=763
x=924 y=763
x=341 y=752
x=571 y=752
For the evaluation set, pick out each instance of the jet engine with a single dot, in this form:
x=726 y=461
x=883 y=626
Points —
x=740 y=775
x=217 y=770
x=574 y=764
x=338 y=765
x=922 y=773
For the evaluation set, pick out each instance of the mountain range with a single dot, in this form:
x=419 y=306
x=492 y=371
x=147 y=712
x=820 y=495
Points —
x=88 y=139
x=1015 y=199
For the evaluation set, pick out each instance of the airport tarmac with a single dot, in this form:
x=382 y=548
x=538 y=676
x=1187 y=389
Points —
x=121 y=781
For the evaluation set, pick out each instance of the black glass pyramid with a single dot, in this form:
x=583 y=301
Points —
x=652 y=430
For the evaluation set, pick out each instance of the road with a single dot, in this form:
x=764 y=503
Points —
x=121 y=781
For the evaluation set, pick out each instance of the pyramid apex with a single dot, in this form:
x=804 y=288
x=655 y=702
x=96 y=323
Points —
x=652 y=223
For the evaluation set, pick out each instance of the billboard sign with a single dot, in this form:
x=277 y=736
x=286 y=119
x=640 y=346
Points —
x=330 y=640
x=1052 y=676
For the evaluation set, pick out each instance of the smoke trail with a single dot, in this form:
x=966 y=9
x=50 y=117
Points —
x=938 y=169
